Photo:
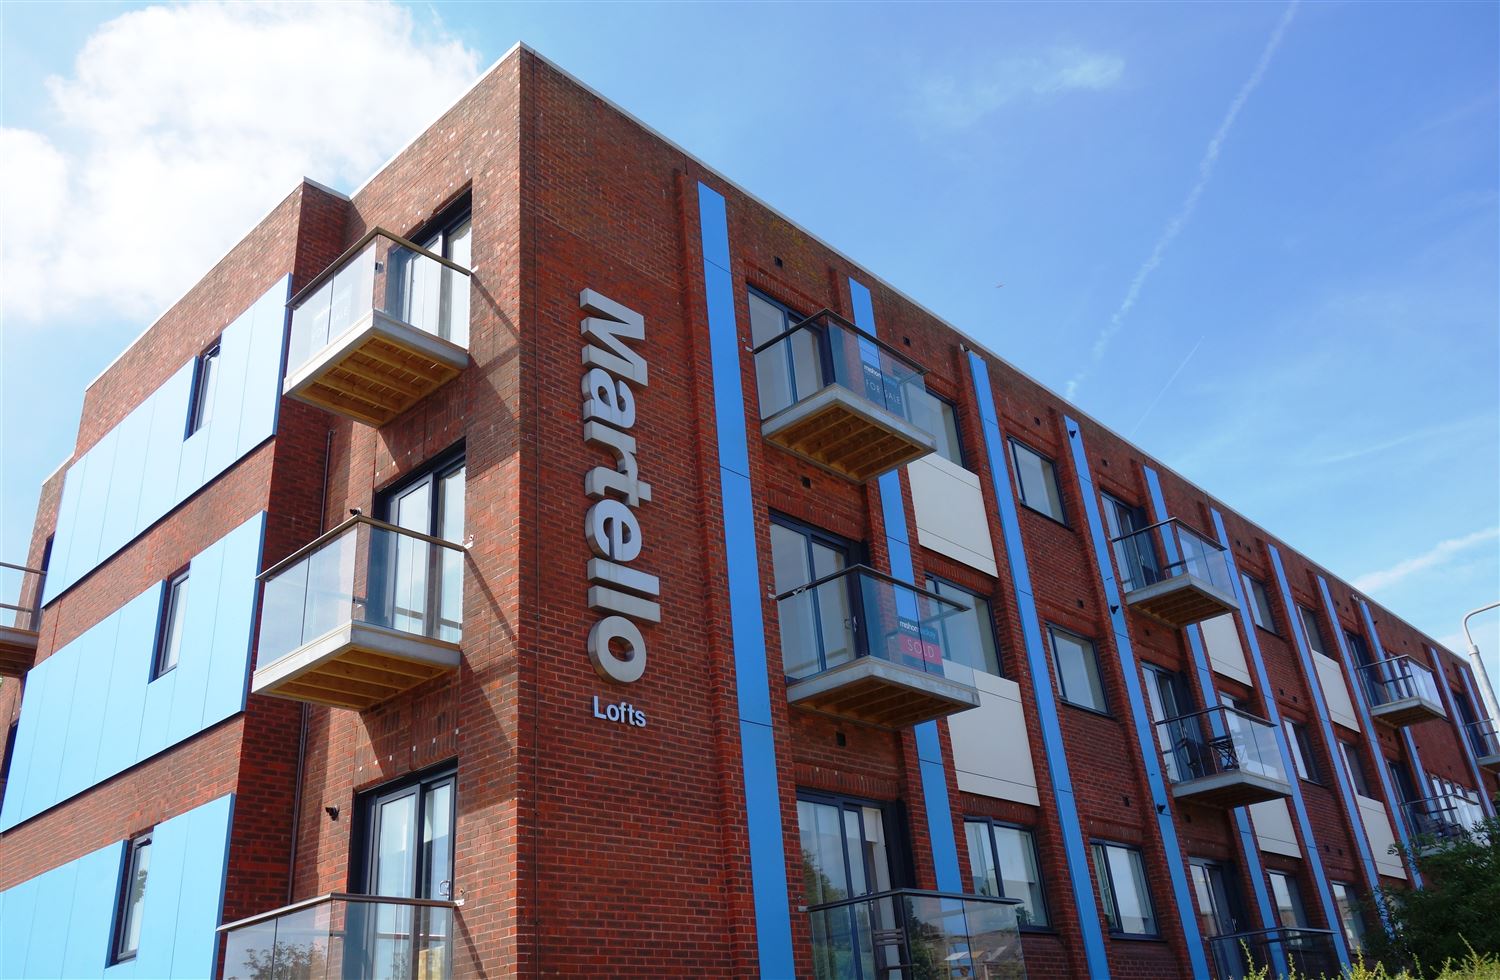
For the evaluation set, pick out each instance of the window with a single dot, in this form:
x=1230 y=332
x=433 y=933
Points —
x=1406 y=787
x=848 y=849
x=169 y=626
x=424 y=593
x=1077 y=670
x=10 y=752
x=1313 y=630
x=1356 y=770
x=132 y=898
x=1358 y=648
x=1349 y=916
x=205 y=377
x=1004 y=865
x=790 y=371
x=1288 y=900
x=1300 y=743
x=1123 y=891
x=1260 y=603
x=817 y=624
x=1038 y=482
x=435 y=298
x=407 y=830
x=1134 y=555
x=969 y=636
x=944 y=428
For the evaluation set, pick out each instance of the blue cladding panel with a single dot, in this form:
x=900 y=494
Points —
x=1144 y=729
x=1038 y=662
x=144 y=467
x=17 y=910
x=757 y=744
x=49 y=927
x=201 y=895
x=93 y=903
x=89 y=710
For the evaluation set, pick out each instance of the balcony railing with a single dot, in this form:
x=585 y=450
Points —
x=1194 y=587
x=20 y=617
x=1436 y=819
x=1484 y=736
x=1303 y=952
x=1222 y=757
x=861 y=645
x=344 y=937
x=379 y=330
x=916 y=935
x=1401 y=691
x=841 y=398
x=362 y=614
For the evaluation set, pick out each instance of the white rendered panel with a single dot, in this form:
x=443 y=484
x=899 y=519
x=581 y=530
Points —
x=1336 y=691
x=950 y=512
x=1378 y=831
x=1222 y=638
x=991 y=749
x=1273 y=828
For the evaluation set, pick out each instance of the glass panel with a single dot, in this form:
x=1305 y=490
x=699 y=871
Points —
x=437 y=841
x=1020 y=875
x=823 y=871
x=831 y=602
x=455 y=318
x=412 y=511
x=877 y=857
x=797 y=614
x=986 y=879
x=1203 y=558
x=450 y=527
x=1077 y=671
x=1314 y=633
x=395 y=863
x=1132 y=897
x=176 y=613
x=1038 y=481
x=968 y=634
x=1288 y=900
x=135 y=897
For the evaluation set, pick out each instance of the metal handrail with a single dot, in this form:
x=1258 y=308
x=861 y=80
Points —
x=807 y=323
x=1391 y=660
x=1277 y=929
x=436 y=903
x=1216 y=709
x=22 y=568
x=377 y=232
x=873 y=573
x=915 y=892
x=329 y=535
x=1171 y=520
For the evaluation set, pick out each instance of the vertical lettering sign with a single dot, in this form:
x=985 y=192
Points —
x=623 y=593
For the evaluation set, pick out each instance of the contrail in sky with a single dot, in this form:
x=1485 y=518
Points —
x=1189 y=205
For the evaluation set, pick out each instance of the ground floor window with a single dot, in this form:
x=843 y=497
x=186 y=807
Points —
x=1003 y=862
x=1123 y=890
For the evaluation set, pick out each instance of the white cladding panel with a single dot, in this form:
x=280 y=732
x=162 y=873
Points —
x=991 y=750
x=950 y=512
x=1335 y=691
x=1222 y=638
x=1380 y=835
x=1273 y=828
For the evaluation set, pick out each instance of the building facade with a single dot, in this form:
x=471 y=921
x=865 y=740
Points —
x=549 y=560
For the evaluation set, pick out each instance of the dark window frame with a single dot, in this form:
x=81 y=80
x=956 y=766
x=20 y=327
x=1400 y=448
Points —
x=1062 y=500
x=1258 y=598
x=205 y=368
x=1104 y=711
x=366 y=839
x=1294 y=892
x=1111 y=907
x=165 y=616
x=1312 y=628
x=989 y=615
x=1304 y=758
x=958 y=429
x=128 y=871
x=893 y=820
x=1036 y=856
x=1354 y=765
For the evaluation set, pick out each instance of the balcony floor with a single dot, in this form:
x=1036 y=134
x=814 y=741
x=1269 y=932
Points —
x=1491 y=762
x=1231 y=789
x=870 y=690
x=17 y=651
x=356 y=666
x=376 y=370
x=846 y=434
x=1407 y=711
x=1181 y=601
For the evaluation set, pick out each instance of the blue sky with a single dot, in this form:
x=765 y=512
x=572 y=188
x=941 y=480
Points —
x=1261 y=240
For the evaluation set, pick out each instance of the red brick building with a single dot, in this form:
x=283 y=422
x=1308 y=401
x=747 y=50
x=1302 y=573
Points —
x=557 y=544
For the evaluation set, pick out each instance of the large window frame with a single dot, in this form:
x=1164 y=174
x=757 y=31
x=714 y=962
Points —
x=1110 y=889
x=1286 y=893
x=1259 y=601
x=1350 y=918
x=950 y=441
x=1090 y=661
x=1312 y=628
x=1032 y=914
x=171 y=618
x=1304 y=755
x=442 y=572
x=1136 y=561
x=983 y=611
x=839 y=591
x=1355 y=767
x=1048 y=467
x=423 y=785
x=205 y=379
x=130 y=899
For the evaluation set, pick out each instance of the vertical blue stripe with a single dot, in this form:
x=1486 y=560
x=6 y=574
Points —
x=1478 y=706
x=1204 y=672
x=1144 y=730
x=773 y=925
x=929 y=745
x=1037 y=660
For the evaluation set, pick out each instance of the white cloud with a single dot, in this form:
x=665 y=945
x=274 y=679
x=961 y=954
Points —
x=180 y=126
x=947 y=100
x=1438 y=555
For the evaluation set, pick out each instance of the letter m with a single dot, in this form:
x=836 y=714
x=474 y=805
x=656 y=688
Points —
x=609 y=330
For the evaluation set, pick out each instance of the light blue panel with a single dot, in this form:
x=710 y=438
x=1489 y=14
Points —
x=52 y=732
x=156 y=716
x=191 y=687
x=131 y=667
x=62 y=538
x=201 y=898
x=1187 y=913
x=33 y=696
x=88 y=530
x=864 y=309
x=164 y=450
x=1038 y=663
x=169 y=861
x=757 y=743
x=773 y=924
x=190 y=462
x=50 y=924
x=95 y=651
x=724 y=352
x=229 y=665
x=92 y=918
x=133 y=436
x=17 y=910
x=263 y=374
x=229 y=395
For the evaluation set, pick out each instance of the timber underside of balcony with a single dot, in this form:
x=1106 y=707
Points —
x=847 y=435
x=1231 y=789
x=377 y=371
x=356 y=667
x=17 y=651
x=1406 y=711
x=874 y=692
x=1180 y=601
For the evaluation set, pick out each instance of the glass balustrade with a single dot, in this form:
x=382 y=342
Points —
x=907 y=934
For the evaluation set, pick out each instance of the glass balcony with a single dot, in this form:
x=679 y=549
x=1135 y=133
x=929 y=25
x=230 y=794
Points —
x=1194 y=587
x=1484 y=737
x=861 y=645
x=840 y=398
x=1437 y=819
x=1304 y=953
x=1222 y=757
x=20 y=617
x=362 y=614
x=343 y=937
x=1401 y=692
x=916 y=935
x=381 y=329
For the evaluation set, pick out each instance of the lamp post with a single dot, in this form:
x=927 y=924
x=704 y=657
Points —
x=1486 y=692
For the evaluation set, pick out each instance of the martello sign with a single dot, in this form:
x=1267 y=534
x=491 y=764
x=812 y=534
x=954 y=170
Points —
x=625 y=595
